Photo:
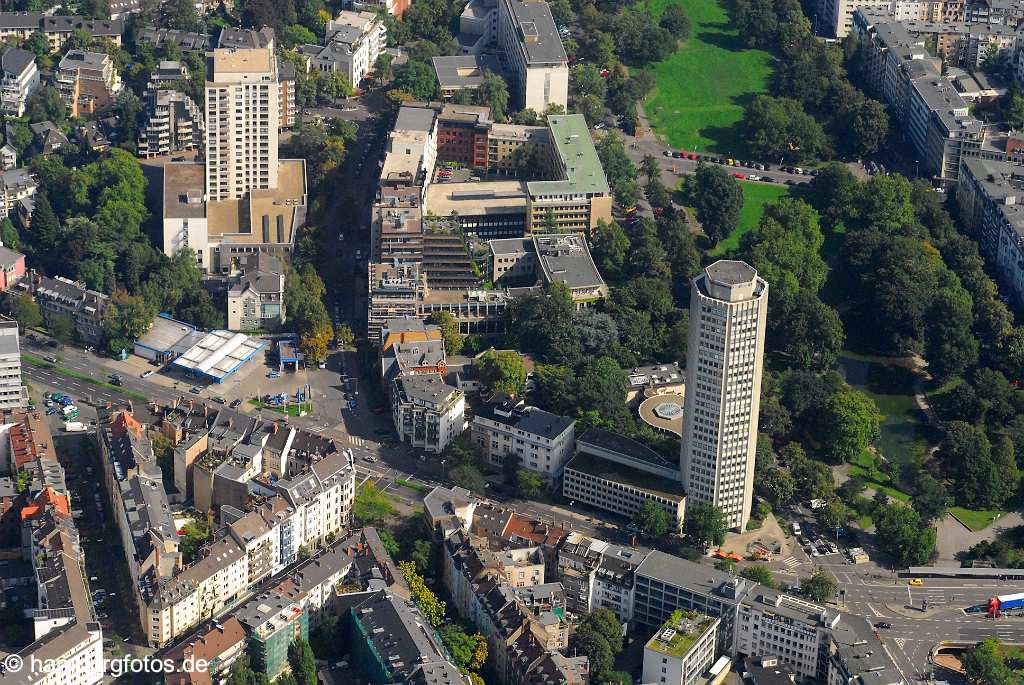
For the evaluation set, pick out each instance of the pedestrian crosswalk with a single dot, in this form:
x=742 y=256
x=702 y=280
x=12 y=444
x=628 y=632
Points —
x=355 y=440
x=791 y=562
x=900 y=641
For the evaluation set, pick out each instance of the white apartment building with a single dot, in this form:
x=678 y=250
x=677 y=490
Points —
x=792 y=629
x=682 y=650
x=598 y=575
x=923 y=104
x=728 y=311
x=12 y=392
x=198 y=593
x=18 y=80
x=322 y=498
x=354 y=42
x=427 y=412
x=534 y=55
x=173 y=123
x=539 y=441
x=990 y=196
x=242 y=112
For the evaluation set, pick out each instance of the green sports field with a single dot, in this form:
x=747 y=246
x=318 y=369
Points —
x=698 y=101
x=755 y=197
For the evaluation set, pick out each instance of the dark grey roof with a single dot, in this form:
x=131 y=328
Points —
x=565 y=258
x=464 y=71
x=731 y=272
x=528 y=419
x=415 y=119
x=774 y=673
x=613 y=442
x=20 y=20
x=426 y=388
x=543 y=44
x=245 y=38
x=617 y=472
x=697 y=578
x=15 y=61
x=398 y=634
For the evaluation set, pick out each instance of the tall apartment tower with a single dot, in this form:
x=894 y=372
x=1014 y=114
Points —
x=728 y=310
x=12 y=393
x=242 y=112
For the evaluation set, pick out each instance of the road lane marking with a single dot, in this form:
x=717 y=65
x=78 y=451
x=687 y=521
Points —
x=874 y=610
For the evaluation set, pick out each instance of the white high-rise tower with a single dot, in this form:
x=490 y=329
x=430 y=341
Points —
x=728 y=310
x=242 y=112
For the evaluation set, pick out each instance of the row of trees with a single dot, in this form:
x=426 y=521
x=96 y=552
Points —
x=813 y=111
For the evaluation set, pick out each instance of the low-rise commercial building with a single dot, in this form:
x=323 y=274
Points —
x=18 y=80
x=263 y=220
x=537 y=440
x=463 y=72
x=618 y=474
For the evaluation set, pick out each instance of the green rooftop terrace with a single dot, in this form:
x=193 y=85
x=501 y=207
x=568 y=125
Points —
x=575 y=147
x=686 y=628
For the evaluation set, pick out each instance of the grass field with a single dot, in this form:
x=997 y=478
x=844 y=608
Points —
x=755 y=197
x=866 y=467
x=976 y=519
x=698 y=101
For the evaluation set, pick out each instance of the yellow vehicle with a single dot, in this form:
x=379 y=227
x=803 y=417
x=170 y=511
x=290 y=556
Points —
x=730 y=162
x=915 y=581
x=631 y=209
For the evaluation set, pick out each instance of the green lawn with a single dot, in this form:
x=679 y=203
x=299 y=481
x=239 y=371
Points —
x=976 y=519
x=755 y=197
x=293 y=408
x=866 y=467
x=697 y=103
x=903 y=427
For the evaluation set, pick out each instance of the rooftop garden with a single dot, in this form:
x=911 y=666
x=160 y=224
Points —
x=686 y=627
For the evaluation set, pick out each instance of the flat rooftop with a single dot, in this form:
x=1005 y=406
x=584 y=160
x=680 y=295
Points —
x=229 y=62
x=538 y=35
x=565 y=258
x=620 y=473
x=485 y=197
x=184 y=186
x=464 y=71
x=575 y=148
x=219 y=354
x=168 y=335
x=242 y=221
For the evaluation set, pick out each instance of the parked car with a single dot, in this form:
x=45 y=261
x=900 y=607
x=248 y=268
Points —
x=147 y=374
x=884 y=625
x=218 y=399
x=195 y=390
x=235 y=404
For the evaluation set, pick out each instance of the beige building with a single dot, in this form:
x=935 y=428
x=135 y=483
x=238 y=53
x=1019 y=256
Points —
x=87 y=81
x=728 y=312
x=578 y=195
x=536 y=60
x=242 y=112
x=538 y=440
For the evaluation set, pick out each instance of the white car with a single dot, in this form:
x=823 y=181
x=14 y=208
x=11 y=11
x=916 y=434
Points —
x=147 y=374
x=753 y=177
